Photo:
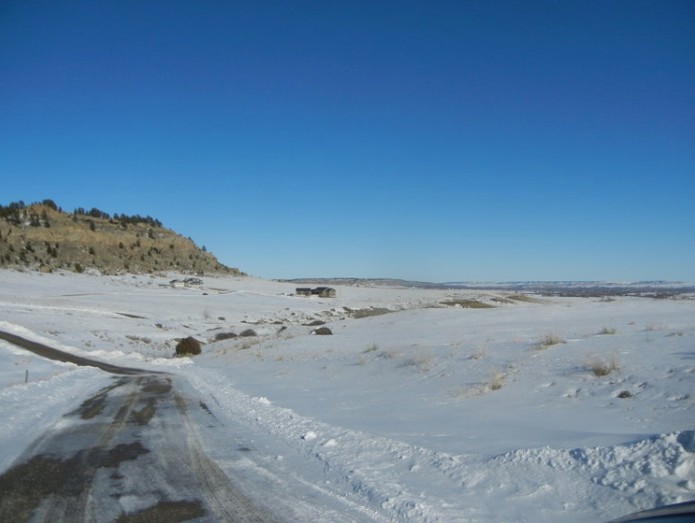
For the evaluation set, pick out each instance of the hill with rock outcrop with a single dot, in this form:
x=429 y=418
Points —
x=42 y=236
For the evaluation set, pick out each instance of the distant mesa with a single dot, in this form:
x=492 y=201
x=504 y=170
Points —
x=41 y=236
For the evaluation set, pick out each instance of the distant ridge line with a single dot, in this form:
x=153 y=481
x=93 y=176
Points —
x=652 y=288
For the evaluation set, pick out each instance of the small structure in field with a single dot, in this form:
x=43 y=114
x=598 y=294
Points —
x=321 y=292
x=187 y=283
x=324 y=292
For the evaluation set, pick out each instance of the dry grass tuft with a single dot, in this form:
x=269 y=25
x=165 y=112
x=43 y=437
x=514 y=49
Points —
x=607 y=331
x=476 y=355
x=497 y=381
x=421 y=362
x=548 y=341
x=599 y=367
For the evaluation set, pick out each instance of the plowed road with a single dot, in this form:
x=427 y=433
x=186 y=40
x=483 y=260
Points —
x=129 y=453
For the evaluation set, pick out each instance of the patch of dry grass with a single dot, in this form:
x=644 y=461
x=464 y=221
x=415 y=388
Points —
x=602 y=367
x=476 y=355
x=366 y=313
x=467 y=304
x=421 y=362
x=496 y=381
x=548 y=341
x=523 y=297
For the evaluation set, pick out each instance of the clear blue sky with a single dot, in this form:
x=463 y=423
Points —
x=429 y=140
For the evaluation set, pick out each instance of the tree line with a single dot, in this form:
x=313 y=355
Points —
x=14 y=210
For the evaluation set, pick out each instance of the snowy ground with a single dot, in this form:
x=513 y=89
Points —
x=427 y=413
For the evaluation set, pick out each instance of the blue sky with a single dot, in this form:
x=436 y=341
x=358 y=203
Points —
x=437 y=141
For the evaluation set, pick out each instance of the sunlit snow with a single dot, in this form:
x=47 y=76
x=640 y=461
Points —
x=425 y=412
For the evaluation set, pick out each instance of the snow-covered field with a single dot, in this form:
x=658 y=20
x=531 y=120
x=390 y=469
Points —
x=429 y=412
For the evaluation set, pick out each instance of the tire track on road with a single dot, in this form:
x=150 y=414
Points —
x=128 y=453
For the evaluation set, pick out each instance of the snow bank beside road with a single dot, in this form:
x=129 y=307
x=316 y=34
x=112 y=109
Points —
x=27 y=410
x=416 y=483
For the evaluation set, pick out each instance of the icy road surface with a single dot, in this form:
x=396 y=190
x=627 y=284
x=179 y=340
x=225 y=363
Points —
x=130 y=452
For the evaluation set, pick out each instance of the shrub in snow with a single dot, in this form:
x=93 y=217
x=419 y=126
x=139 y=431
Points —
x=248 y=333
x=603 y=368
x=188 y=347
x=322 y=331
x=224 y=336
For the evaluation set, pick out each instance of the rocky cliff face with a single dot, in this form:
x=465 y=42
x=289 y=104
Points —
x=43 y=237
